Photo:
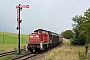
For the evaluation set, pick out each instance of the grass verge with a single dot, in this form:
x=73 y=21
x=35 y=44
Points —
x=66 y=52
x=9 y=41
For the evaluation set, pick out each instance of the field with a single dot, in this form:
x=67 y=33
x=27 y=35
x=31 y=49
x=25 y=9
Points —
x=9 y=41
x=66 y=52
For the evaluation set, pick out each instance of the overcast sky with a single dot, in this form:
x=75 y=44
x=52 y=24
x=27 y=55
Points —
x=54 y=15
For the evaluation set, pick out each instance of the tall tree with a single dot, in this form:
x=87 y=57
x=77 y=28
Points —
x=81 y=28
x=68 y=34
x=79 y=38
x=87 y=25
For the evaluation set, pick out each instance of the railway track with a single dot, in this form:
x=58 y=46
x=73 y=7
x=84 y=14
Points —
x=9 y=53
x=24 y=57
x=30 y=56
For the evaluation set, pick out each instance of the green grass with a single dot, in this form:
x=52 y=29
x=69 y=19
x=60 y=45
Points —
x=6 y=57
x=9 y=41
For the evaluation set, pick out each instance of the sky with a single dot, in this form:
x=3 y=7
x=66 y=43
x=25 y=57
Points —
x=53 y=15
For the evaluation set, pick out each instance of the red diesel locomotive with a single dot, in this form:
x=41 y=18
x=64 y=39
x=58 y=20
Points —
x=42 y=39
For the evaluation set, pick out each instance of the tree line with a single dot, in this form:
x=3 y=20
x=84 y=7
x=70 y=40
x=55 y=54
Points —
x=80 y=34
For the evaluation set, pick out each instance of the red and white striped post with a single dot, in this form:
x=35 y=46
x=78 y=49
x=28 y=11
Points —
x=19 y=21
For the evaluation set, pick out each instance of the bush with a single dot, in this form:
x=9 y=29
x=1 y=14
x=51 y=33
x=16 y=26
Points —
x=78 y=41
x=86 y=48
x=81 y=55
x=68 y=34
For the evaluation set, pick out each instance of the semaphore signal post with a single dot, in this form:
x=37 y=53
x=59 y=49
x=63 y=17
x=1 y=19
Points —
x=19 y=8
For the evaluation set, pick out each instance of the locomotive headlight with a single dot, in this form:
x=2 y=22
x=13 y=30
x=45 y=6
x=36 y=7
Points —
x=38 y=46
x=31 y=36
x=37 y=36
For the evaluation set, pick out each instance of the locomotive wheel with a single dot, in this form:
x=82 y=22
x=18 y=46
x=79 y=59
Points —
x=37 y=50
